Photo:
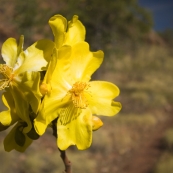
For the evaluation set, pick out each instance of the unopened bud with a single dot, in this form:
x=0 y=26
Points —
x=44 y=88
x=96 y=123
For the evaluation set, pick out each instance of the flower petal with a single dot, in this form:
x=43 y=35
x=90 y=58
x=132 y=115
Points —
x=20 y=46
x=8 y=117
x=22 y=107
x=49 y=111
x=30 y=85
x=83 y=62
x=104 y=89
x=60 y=76
x=100 y=95
x=75 y=63
x=75 y=33
x=36 y=57
x=58 y=25
x=79 y=65
x=10 y=143
x=5 y=118
x=51 y=66
x=9 y=52
x=78 y=132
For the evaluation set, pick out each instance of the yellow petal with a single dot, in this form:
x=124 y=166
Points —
x=9 y=52
x=36 y=57
x=78 y=132
x=83 y=62
x=5 y=118
x=79 y=64
x=104 y=89
x=30 y=85
x=10 y=143
x=22 y=107
x=49 y=110
x=100 y=95
x=60 y=76
x=104 y=107
x=20 y=46
x=75 y=63
x=51 y=67
x=8 y=117
x=58 y=25
x=76 y=32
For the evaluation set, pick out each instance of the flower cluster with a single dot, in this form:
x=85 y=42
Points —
x=48 y=85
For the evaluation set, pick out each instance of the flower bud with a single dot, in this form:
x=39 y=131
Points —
x=96 y=123
x=44 y=88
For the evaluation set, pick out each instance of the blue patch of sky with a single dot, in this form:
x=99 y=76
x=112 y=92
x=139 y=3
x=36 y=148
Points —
x=162 y=11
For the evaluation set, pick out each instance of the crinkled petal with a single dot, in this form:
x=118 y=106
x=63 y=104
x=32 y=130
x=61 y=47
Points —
x=49 y=111
x=9 y=52
x=10 y=143
x=51 y=67
x=60 y=76
x=103 y=89
x=20 y=46
x=100 y=95
x=75 y=33
x=83 y=62
x=8 y=117
x=77 y=132
x=5 y=118
x=30 y=85
x=58 y=25
x=36 y=57
x=104 y=107
x=75 y=63
x=22 y=107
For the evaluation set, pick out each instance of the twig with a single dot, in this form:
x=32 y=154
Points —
x=63 y=155
x=67 y=163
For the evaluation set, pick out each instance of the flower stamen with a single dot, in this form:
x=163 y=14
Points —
x=7 y=73
x=78 y=94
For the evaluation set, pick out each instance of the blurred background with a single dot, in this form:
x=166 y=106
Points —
x=137 y=38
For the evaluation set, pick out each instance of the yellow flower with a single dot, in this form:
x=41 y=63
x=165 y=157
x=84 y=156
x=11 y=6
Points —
x=67 y=33
x=20 y=78
x=74 y=98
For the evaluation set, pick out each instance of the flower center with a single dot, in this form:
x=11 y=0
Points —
x=78 y=94
x=7 y=74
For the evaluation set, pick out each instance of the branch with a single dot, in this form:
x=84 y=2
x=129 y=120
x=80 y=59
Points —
x=67 y=163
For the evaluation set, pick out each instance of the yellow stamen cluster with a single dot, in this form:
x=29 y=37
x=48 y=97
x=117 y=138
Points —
x=7 y=74
x=78 y=94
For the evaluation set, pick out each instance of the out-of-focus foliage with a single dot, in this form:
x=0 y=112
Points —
x=167 y=35
x=25 y=15
x=110 y=20
x=107 y=21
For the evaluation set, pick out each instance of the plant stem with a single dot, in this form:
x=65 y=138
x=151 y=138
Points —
x=67 y=163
